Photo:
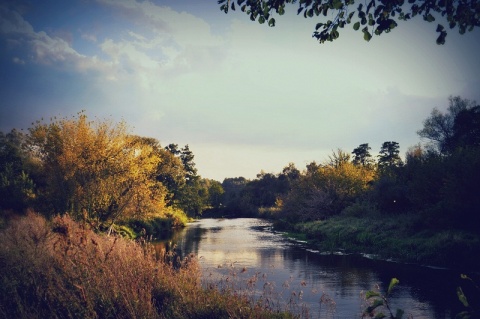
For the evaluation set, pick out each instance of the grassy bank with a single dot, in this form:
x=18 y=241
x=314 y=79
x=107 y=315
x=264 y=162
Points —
x=403 y=238
x=62 y=269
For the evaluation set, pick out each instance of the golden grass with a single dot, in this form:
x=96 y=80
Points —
x=62 y=269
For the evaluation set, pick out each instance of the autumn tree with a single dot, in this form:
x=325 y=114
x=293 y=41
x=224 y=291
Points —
x=325 y=190
x=371 y=17
x=96 y=170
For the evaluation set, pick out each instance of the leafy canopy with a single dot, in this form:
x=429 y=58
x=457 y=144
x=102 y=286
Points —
x=371 y=17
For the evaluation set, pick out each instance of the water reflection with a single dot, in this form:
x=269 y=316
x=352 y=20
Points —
x=248 y=248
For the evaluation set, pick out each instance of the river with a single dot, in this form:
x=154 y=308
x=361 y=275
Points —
x=247 y=254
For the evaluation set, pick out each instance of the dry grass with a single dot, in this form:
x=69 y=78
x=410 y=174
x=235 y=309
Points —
x=62 y=269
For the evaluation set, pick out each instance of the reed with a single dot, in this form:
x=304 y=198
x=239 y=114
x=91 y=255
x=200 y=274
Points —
x=63 y=269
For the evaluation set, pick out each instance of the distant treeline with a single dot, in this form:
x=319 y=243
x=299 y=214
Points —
x=100 y=173
x=439 y=181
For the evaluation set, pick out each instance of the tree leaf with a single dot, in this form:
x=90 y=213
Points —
x=366 y=35
x=369 y=294
x=392 y=284
x=337 y=4
x=429 y=18
x=462 y=297
x=271 y=22
x=318 y=26
x=261 y=20
x=441 y=38
x=356 y=26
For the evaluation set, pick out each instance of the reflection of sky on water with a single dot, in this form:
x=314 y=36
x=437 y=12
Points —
x=247 y=254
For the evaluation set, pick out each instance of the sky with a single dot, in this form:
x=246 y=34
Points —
x=245 y=97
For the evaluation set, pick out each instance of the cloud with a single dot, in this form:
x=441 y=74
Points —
x=39 y=47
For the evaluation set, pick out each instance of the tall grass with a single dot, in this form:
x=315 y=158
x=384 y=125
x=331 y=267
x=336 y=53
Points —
x=62 y=269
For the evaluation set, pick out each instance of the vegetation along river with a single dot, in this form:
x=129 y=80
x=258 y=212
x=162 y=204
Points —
x=248 y=255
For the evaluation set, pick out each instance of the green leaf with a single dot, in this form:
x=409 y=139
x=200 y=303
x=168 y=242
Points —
x=463 y=276
x=356 y=26
x=429 y=18
x=369 y=294
x=440 y=28
x=462 y=297
x=393 y=24
x=261 y=20
x=366 y=35
x=271 y=22
x=393 y=283
x=337 y=4
x=441 y=38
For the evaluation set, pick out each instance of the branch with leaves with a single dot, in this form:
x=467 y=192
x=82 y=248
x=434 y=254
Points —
x=371 y=17
x=379 y=301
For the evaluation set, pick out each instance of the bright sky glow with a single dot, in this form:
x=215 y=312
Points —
x=244 y=96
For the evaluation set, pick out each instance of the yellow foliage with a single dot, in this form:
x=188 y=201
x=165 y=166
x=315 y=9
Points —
x=98 y=168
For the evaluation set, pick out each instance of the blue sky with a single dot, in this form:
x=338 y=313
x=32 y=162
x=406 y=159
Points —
x=244 y=96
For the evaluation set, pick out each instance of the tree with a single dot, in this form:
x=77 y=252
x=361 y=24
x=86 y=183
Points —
x=171 y=173
x=466 y=129
x=372 y=17
x=96 y=170
x=17 y=189
x=439 y=127
x=362 y=155
x=389 y=156
x=189 y=193
x=215 y=194
x=325 y=190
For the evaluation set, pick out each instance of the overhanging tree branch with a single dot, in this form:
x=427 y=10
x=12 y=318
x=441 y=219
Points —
x=379 y=16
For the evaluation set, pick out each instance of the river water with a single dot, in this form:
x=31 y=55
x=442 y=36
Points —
x=246 y=254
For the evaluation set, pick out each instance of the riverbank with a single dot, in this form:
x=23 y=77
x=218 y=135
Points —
x=400 y=238
x=62 y=269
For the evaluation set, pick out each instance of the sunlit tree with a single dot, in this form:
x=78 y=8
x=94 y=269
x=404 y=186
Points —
x=325 y=190
x=96 y=170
